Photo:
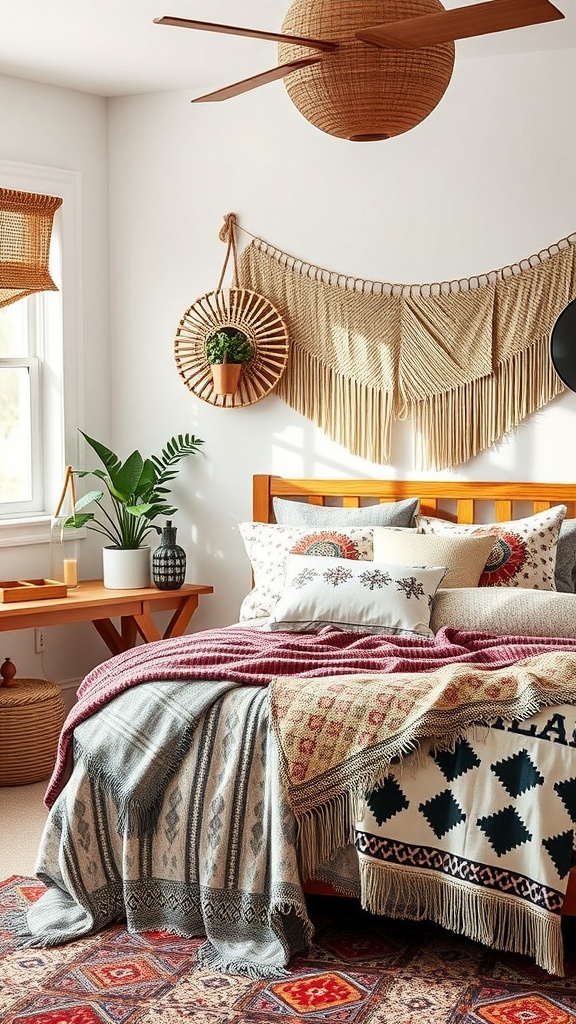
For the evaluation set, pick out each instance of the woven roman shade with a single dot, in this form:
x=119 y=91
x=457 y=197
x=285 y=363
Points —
x=25 y=230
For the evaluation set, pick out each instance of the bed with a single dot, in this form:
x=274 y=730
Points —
x=409 y=744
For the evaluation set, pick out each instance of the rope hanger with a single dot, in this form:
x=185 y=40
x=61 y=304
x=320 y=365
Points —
x=244 y=309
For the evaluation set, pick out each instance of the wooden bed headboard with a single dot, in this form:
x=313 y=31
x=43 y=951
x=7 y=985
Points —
x=453 y=500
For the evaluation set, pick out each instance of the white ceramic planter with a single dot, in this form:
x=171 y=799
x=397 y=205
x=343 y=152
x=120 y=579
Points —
x=126 y=568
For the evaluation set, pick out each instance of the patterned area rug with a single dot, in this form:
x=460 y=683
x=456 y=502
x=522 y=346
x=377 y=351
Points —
x=360 y=970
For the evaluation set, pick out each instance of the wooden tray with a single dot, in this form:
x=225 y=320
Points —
x=31 y=590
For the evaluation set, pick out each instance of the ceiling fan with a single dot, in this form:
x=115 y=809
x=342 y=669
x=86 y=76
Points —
x=380 y=66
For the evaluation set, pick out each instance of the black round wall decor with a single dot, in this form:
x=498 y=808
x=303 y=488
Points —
x=563 y=345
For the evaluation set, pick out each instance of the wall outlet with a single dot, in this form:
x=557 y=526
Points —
x=40 y=640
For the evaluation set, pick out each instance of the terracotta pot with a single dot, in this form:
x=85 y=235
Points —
x=225 y=377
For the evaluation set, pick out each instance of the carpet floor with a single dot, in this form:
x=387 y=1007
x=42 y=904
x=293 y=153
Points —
x=360 y=970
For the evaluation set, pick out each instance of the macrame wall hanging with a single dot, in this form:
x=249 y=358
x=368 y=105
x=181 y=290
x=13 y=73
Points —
x=465 y=360
x=235 y=309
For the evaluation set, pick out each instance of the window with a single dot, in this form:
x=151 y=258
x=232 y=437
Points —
x=39 y=392
x=21 y=481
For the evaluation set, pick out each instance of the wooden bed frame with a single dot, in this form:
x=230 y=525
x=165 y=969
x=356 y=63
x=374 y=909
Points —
x=458 y=501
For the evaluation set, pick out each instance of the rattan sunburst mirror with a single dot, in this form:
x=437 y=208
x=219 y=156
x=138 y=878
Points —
x=239 y=308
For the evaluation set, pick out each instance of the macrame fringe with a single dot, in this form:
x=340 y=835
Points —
x=452 y=427
x=350 y=413
x=480 y=915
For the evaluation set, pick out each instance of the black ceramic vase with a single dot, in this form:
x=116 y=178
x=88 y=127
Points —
x=169 y=561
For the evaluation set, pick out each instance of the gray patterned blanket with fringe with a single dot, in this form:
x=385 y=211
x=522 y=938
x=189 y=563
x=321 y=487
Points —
x=199 y=845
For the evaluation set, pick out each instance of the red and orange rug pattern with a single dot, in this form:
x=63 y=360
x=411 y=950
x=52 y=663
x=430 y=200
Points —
x=360 y=970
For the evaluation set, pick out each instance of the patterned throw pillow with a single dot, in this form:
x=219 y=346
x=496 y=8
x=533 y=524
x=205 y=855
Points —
x=268 y=545
x=372 y=597
x=524 y=552
x=565 y=572
x=329 y=517
x=465 y=556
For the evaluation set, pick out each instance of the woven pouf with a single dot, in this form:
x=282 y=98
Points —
x=31 y=716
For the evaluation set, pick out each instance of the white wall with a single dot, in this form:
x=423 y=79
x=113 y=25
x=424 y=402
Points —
x=57 y=128
x=486 y=180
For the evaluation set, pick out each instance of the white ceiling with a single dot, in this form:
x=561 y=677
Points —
x=113 y=48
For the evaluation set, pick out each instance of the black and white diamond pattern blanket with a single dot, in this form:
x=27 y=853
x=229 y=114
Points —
x=479 y=837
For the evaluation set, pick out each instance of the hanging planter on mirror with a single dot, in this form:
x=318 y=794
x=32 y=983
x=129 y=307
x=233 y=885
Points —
x=228 y=351
x=226 y=378
x=249 y=331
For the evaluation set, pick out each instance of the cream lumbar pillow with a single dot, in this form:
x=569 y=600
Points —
x=464 y=555
x=360 y=596
x=506 y=611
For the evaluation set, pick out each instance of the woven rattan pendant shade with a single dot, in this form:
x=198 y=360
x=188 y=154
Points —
x=362 y=92
x=25 y=231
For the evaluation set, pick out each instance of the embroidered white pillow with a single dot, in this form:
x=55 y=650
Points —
x=464 y=555
x=268 y=545
x=364 y=597
x=524 y=551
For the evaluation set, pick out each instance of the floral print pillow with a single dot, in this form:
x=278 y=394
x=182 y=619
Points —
x=268 y=545
x=524 y=551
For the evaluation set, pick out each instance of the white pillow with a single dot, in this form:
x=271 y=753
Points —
x=372 y=597
x=464 y=555
x=268 y=545
x=524 y=552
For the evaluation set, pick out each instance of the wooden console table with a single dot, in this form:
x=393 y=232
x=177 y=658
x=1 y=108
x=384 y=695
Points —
x=92 y=602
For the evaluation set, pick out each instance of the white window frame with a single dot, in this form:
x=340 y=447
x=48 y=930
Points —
x=62 y=404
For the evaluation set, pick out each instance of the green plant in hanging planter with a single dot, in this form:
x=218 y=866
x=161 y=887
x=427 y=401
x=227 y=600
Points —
x=228 y=345
x=135 y=491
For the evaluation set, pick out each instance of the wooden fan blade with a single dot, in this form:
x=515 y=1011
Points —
x=253 y=33
x=262 y=79
x=460 y=23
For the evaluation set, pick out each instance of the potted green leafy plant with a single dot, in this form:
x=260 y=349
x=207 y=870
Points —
x=134 y=496
x=227 y=350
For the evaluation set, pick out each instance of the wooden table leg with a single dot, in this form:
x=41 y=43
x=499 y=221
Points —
x=143 y=625
x=128 y=630
x=110 y=635
x=146 y=626
x=181 y=617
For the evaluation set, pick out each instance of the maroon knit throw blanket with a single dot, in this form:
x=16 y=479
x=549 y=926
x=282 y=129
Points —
x=252 y=657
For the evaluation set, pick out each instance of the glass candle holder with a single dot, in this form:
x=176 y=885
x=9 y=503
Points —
x=63 y=553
